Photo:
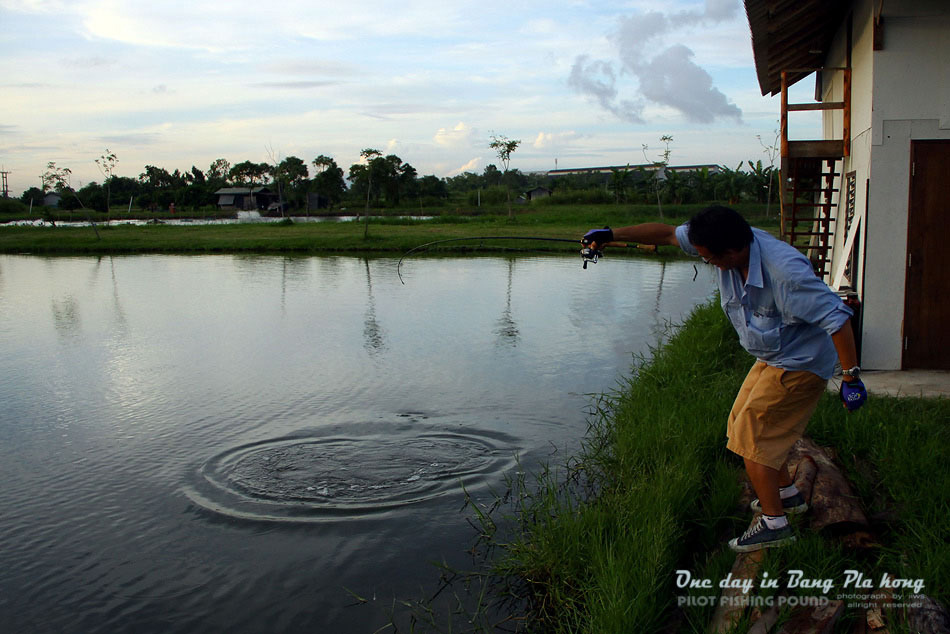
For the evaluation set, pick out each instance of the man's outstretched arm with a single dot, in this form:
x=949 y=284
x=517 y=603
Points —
x=656 y=233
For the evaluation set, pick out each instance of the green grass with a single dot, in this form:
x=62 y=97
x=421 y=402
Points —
x=596 y=543
x=385 y=236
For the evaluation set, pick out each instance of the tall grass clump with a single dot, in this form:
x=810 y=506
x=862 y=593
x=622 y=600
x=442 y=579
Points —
x=595 y=544
x=598 y=545
x=896 y=454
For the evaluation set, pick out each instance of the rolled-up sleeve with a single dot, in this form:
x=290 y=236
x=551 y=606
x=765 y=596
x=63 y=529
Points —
x=682 y=236
x=809 y=300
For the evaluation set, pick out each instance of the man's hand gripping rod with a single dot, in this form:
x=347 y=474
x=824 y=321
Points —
x=596 y=240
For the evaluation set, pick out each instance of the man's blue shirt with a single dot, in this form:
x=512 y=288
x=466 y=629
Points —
x=784 y=314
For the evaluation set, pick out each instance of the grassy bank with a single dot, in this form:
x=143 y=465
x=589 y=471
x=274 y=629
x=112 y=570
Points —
x=386 y=235
x=654 y=490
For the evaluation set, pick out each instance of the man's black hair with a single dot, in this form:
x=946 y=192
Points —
x=719 y=229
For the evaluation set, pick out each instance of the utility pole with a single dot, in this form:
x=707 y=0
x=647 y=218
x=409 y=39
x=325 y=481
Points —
x=4 y=187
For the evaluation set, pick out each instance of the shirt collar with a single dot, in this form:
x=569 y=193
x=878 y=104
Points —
x=754 y=277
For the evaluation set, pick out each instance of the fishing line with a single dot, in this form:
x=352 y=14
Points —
x=435 y=242
x=587 y=254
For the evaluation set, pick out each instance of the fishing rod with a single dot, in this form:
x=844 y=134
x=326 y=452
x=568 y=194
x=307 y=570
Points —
x=588 y=254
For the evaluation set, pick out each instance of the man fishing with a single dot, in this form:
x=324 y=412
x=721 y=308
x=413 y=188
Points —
x=795 y=326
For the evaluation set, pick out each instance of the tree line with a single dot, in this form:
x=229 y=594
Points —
x=386 y=181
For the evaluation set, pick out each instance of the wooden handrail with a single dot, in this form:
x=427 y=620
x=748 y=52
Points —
x=844 y=106
x=821 y=105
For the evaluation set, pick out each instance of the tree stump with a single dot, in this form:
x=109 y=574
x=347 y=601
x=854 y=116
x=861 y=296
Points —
x=731 y=607
x=834 y=505
x=930 y=617
x=819 y=620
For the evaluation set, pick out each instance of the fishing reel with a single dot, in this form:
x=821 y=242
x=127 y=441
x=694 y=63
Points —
x=589 y=254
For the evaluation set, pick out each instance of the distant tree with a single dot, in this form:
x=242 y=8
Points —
x=432 y=187
x=395 y=178
x=56 y=178
x=290 y=175
x=195 y=176
x=675 y=186
x=125 y=188
x=33 y=197
x=329 y=180
x=731 y=183
x=218 y=172
x=771 y=151
x=702 y=184
x=293 y=171
x=92 y=195
x=464 y=182
x=249 y=174
x=659 y=168
x=156 y=177
x=408 y=179
x=504 y=148
x=363 y=173
x=619 y=182
x=491 y=175
x=197 y=192
x=106 y=164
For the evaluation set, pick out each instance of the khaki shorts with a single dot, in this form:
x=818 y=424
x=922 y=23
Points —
x=771 y=412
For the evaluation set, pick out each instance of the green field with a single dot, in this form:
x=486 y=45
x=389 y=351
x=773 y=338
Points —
x=592 y=544
x=380 y=236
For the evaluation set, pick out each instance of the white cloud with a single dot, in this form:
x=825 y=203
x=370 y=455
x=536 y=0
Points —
x=175 y=84
x=471 y=166
x=546 y=140
x=459 y=136
x=670 y=78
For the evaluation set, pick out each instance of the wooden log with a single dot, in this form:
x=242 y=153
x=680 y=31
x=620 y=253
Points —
x=874 y=619
x=765 y=622
x=834 y=505
x=805 y=471
x=930 y=617
x=874 y=616
x=731 y=607
x=817 y=620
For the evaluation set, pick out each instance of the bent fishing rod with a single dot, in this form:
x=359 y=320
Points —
x=588 y=253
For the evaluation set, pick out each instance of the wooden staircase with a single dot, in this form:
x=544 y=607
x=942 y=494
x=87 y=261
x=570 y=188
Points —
x=811 y=178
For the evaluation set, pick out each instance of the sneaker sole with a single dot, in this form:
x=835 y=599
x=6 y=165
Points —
x=789 y=510
x=734 y=544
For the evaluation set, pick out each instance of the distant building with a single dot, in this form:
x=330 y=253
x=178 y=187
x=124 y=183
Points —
x=647 y=167
x=315 y=201
x=537 y=192
x=245 y=198
x=869 y=197
x=51 y=199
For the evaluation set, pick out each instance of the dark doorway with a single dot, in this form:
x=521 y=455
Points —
x=927 y=298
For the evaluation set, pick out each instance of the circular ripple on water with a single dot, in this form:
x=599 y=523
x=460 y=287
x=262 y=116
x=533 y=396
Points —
x=315 y=478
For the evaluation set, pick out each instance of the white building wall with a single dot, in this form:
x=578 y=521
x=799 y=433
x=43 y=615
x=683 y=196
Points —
x=899 y=94
x=911 y=101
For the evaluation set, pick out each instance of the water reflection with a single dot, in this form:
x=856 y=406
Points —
x=120 y=318
x=155 y=404
x=372 y=331
x=505 y=328
x=66 y=316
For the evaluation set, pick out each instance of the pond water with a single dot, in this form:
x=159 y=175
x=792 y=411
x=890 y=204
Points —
x=246 y=444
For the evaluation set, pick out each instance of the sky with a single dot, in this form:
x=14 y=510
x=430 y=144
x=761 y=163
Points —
x=177 y=84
